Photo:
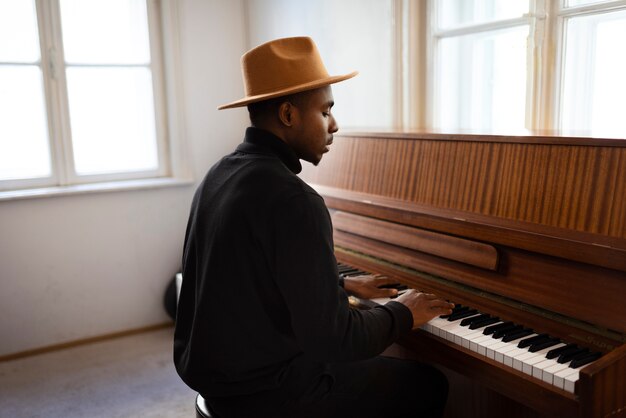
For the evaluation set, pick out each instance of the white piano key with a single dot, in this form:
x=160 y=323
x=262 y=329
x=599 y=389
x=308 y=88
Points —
x=538 y=357
x=436 y=324
x=461 y=336
x=486 y=344
x=515 y=356
x=472 y=335
x=455 y=330
x=560 y=378
x=548 y=374
x=541 y=366
x=476 y=344
x=500 y=351
x=446 y=331
x=534 y=364
x=570 y=381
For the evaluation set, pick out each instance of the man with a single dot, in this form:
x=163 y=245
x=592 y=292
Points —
x=263 y=325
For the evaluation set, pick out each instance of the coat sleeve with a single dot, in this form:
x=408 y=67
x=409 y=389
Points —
x=324 y=325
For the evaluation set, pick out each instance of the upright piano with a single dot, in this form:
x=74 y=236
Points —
x=529 y=230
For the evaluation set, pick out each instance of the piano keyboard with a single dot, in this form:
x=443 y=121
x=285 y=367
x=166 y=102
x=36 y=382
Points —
x=537 y=354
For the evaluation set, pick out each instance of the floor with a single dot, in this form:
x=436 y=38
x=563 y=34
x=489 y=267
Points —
x=125 y=377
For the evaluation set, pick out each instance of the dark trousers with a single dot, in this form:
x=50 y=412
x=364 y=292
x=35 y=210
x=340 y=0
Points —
x=381 y=387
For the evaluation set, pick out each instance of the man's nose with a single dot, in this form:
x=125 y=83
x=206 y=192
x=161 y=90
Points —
x=333 y=127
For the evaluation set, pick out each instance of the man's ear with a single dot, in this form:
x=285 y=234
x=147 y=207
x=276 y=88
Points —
x=286 y=112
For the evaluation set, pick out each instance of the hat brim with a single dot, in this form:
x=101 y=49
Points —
x=293 y=89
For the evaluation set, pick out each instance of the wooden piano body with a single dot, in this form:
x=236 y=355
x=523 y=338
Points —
x=529 y=228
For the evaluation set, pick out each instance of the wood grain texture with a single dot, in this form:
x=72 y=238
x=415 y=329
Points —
x=601 y=391
x=462 y=250
x=602 y=386
x=553 y=210
x=569 y=289
x=574 y=187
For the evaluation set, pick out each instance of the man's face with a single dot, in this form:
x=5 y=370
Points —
x=315 y=125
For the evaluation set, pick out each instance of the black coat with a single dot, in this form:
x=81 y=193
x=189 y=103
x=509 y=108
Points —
x=260 y=294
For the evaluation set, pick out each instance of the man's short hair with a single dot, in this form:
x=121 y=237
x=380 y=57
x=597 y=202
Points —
x=262 y=111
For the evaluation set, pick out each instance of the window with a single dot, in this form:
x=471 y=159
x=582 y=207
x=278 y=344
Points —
x=481 y=64
x=594 y=82
x=351 y=35
x=81 y=92
x=539 y=64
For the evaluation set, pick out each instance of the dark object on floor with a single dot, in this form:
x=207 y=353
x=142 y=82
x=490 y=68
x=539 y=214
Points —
x=202 y=408
x=169 y=299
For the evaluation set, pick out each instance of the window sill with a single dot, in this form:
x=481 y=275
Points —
x=113 y=186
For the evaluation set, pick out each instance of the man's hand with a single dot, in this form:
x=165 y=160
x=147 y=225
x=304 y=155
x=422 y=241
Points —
x=368 y=286
x=424 y=306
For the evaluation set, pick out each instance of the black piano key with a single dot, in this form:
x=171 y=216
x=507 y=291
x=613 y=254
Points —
x=456 y=308
x=544 y=344
x=461 y=315
x=484 y=323
x=397 y=286
x=542 y=339
x=566 y=357
x=558 y=351
x=532 y=340
x=470 y=321
x=578 y=362
x=517 y=334
x=504 y=331
x=493 y=328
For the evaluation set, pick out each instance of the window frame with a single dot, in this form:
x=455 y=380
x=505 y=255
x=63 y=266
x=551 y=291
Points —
x=560 y=15
x=547 y=20
x=435 y=35
x=163 y=30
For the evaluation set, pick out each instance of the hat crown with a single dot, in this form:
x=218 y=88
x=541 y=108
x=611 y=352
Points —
x=281 y=67
x=280 y=64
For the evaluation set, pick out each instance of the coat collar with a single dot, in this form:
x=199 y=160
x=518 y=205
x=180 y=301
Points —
x=259 y=141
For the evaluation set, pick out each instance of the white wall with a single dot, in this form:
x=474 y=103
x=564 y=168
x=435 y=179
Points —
x=351 y=35
x=77 y=266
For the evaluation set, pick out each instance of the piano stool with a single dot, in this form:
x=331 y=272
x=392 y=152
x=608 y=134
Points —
x=202 y=408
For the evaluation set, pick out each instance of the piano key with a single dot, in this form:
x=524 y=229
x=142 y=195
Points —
x=464 y=314
x=544 y=344
x=502 y=348
x=478 y=342
x=511 y=344
x=475 y=319
x=485 y=345
x=531 y=340
x=485 y=323
x=557 y=352
x=566 y=379
x=493 y=328
x=532 y=363
x=507 y=330
x=567 y=356
x=576 y=363
x=538 y=368
x=548 y=372
x=463 y=337
x=449 y=330
x=456 y=308
x=536 y=357
x=518 y=335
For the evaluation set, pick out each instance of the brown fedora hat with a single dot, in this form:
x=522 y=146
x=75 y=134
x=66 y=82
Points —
x=281 y=67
